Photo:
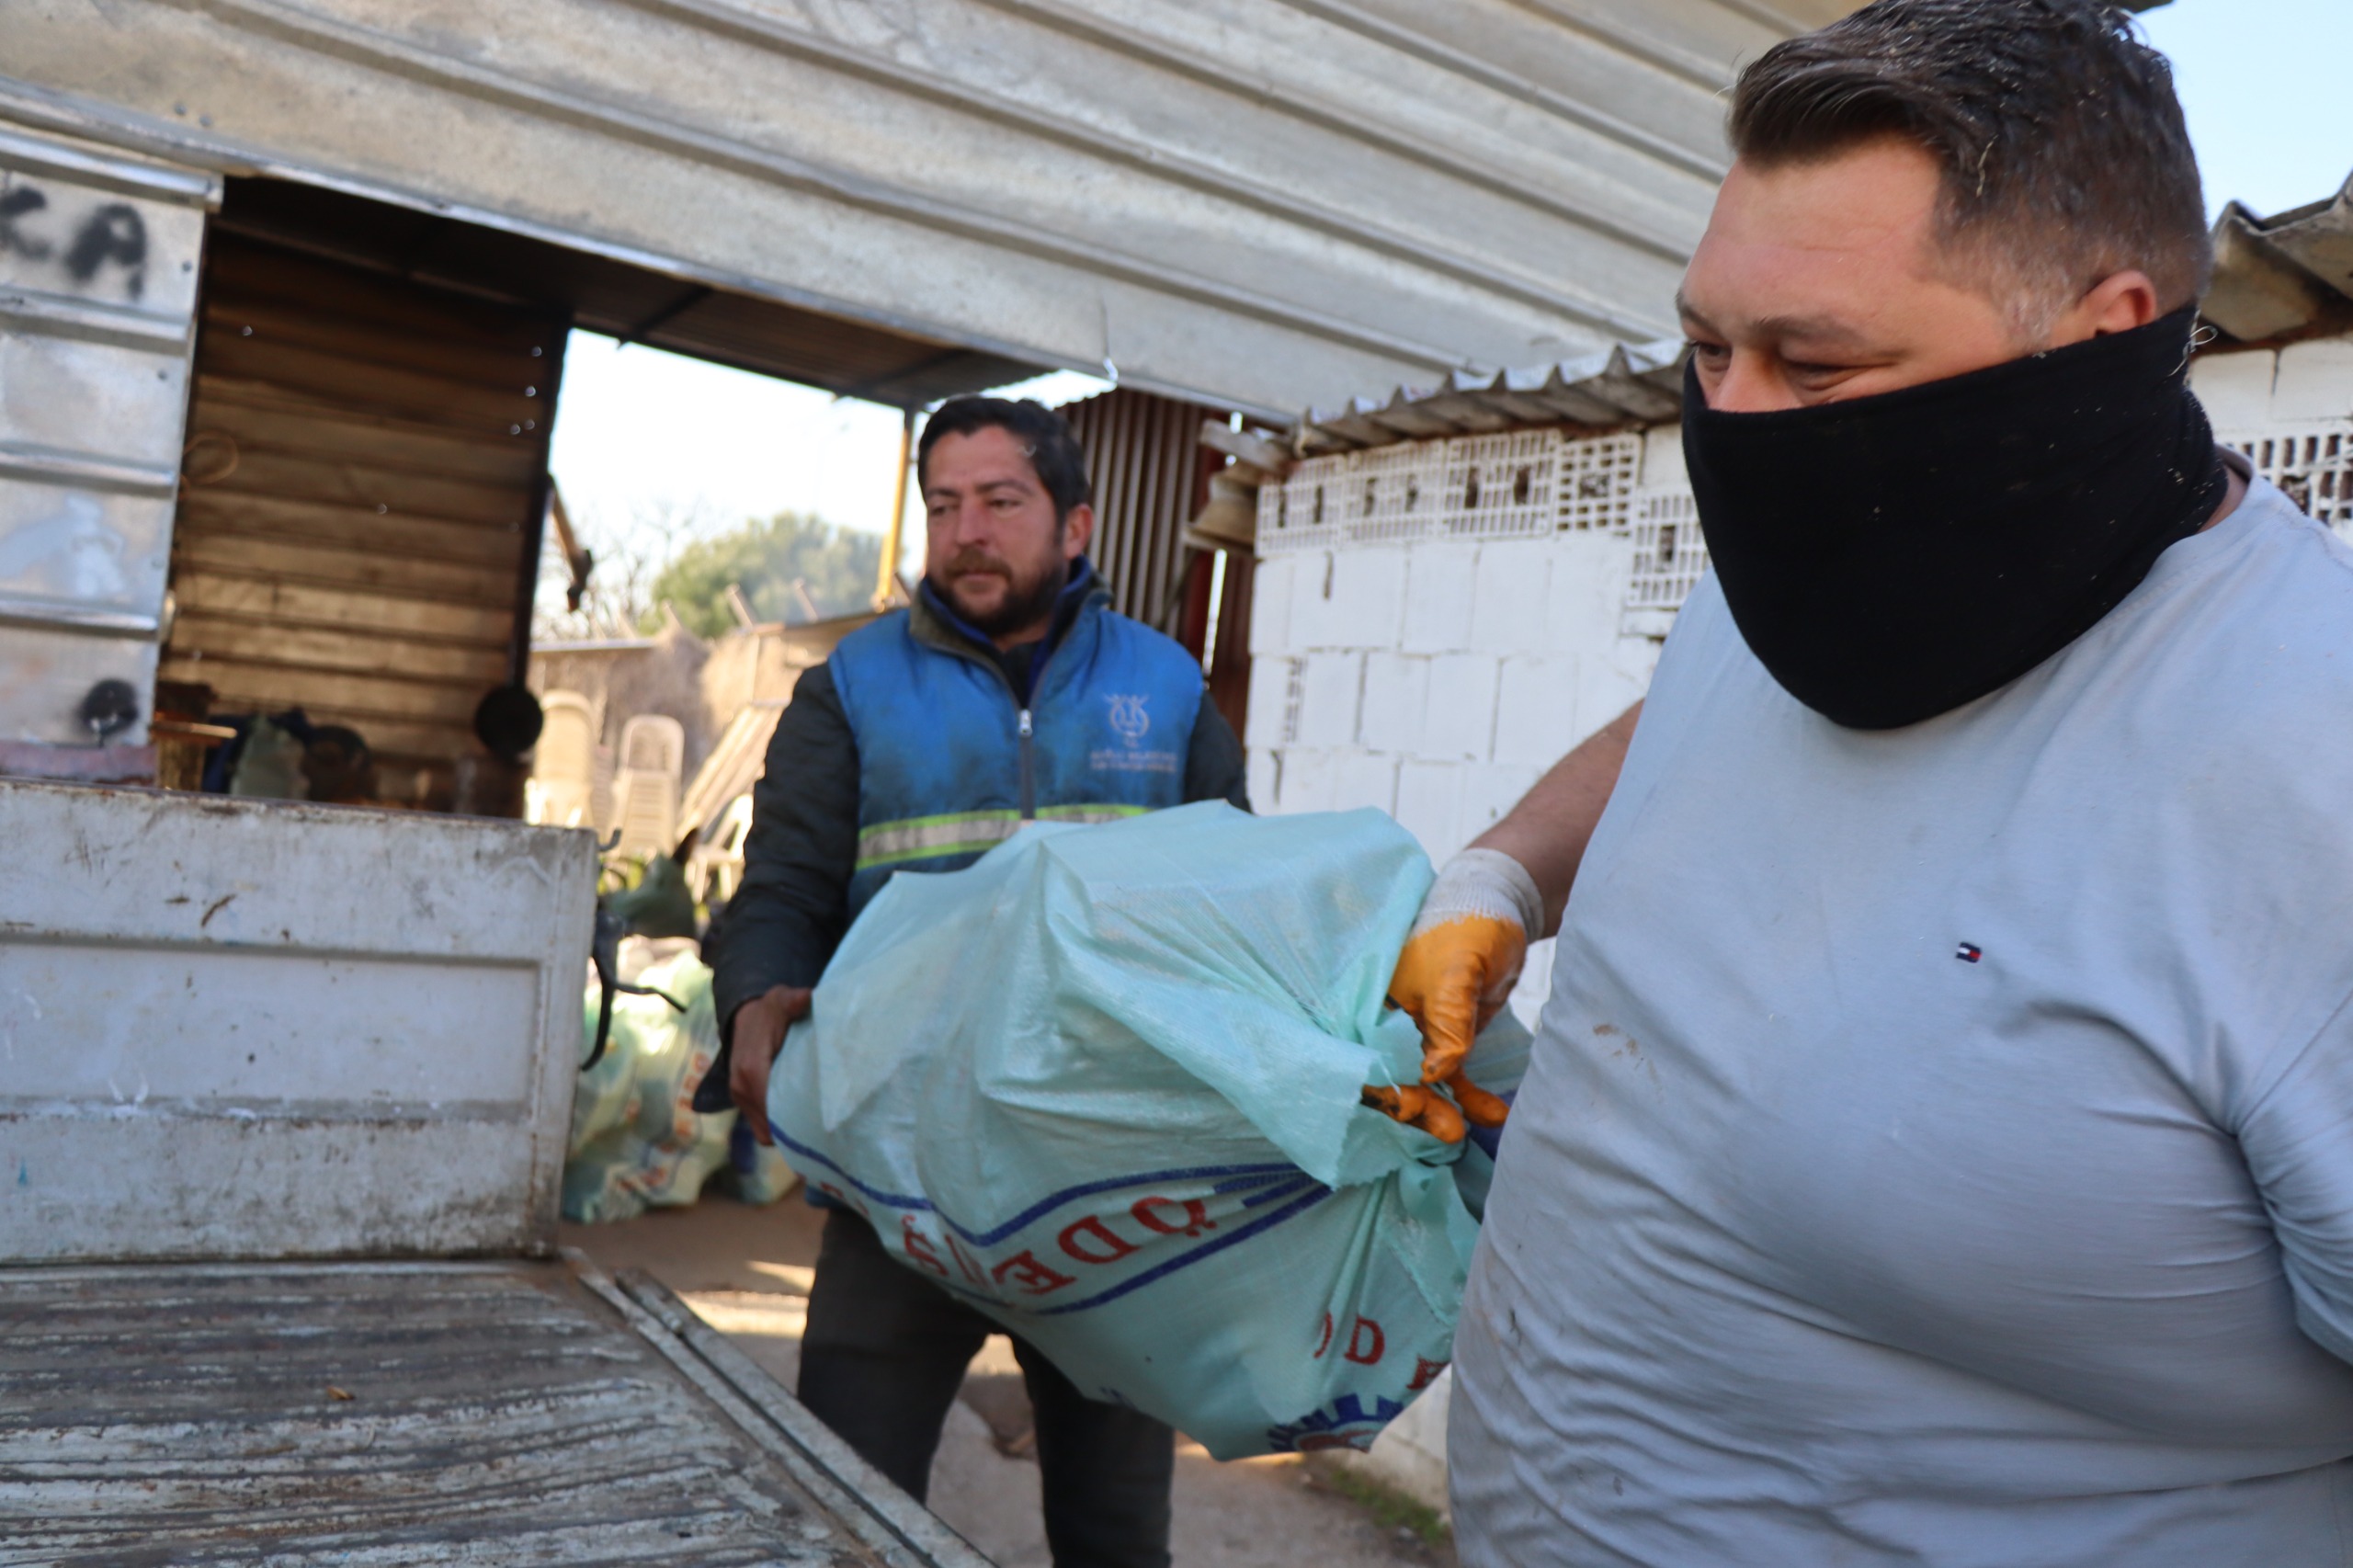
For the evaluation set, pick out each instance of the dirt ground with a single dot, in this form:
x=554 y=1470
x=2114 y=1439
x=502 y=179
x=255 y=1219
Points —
x=746 y=1270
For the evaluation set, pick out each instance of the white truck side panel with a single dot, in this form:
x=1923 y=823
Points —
x=233 y=1028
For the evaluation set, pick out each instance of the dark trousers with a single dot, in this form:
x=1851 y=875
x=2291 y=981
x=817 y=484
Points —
x=883 y=1357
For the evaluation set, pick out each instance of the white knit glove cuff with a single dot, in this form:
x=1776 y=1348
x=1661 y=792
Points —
x=1482 y=882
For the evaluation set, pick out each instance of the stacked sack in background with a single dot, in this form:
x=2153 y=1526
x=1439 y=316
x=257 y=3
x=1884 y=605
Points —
x=1105 y=1086
x=637 y=1140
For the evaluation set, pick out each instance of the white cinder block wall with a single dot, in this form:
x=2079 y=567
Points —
x=2291 y=412
x=1436 y=675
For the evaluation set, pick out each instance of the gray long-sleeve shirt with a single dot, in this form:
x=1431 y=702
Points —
x=1939 y=1147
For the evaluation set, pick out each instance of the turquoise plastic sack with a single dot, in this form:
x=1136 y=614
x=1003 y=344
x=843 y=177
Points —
x=637 y=1142
x=1104 y=1085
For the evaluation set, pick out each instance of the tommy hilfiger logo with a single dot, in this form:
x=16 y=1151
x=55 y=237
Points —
x=1970 y=952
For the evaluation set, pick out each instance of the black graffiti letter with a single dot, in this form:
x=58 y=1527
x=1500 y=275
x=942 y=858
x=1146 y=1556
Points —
x=15 y=204
x=115 y=234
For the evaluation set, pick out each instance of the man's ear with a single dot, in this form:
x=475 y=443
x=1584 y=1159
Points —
x=1078 y=530
x=2119 y=302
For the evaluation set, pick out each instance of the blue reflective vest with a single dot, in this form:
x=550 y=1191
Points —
x=949 y=764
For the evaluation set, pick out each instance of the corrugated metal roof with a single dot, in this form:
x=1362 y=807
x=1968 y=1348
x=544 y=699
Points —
x=2285 y=276
x=1243 y=203
x=1627 y=384
x=634 y=303
x=2275 y=280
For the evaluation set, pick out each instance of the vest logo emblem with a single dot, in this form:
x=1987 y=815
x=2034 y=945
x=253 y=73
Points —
x=1131 y=724
x=1128 y=721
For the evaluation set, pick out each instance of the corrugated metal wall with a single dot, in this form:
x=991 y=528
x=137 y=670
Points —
x=359 y=519
x=1260 y=203
x=97 y=286
x=1145 y=456
x=1151 y=476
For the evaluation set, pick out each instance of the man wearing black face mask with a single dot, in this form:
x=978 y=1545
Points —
x=1007 y=693
x=1940 y=1143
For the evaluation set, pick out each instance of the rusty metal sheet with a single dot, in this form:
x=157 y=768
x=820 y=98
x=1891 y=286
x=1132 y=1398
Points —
x=491 y=1414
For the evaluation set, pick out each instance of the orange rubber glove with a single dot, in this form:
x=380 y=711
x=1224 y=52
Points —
x=1456 y=972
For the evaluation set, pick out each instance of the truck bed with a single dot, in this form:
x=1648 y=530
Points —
x=479 y=1413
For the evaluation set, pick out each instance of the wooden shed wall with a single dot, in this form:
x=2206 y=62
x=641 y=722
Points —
x=358 y=529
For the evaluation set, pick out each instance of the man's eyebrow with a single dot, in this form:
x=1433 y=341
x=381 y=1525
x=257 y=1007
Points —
x=1811 y=329
x=1685 y=310
x=1814 y=329
x=1004 y=482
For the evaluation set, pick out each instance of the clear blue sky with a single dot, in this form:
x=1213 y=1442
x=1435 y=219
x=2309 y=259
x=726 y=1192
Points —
x=639 y=432
x=2264 y=85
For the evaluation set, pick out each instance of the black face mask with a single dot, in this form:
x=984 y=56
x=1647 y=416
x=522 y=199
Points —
x=1892 y=557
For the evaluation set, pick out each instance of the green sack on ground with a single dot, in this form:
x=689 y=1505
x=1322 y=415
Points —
x=637 y=1142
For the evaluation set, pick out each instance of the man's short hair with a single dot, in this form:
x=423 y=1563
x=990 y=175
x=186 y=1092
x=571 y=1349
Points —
x=2064 y=157
x=1042 y=432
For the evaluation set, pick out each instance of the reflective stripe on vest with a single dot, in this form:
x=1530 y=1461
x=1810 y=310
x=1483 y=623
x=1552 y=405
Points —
x=963 y=832
x=941 y=754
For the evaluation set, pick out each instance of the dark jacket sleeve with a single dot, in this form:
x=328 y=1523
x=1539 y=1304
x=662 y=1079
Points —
x=792 y=905
x=1214 y=767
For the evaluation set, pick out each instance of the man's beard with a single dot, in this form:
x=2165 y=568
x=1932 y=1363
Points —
x=1025 y=603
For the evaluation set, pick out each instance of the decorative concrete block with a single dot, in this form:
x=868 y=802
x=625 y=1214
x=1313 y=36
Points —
x=1536 y=710
x=1458 y=719
x=1270 y=589
x=1265 y=778
x=1360 y=778
x=1439 y=581
x=2315 y=380
x=1308 y=779
x=1330 y=688
x=1429 y=805
x=2235 y=388
x=1507 y=603
x=1489 y=794
x=1662 y=459
x=1585 y=593
x=1269 y=724
x=1397 y=691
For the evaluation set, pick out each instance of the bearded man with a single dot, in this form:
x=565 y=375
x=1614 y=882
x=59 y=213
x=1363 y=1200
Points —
x=1007 y=693
x=1939 y=1147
